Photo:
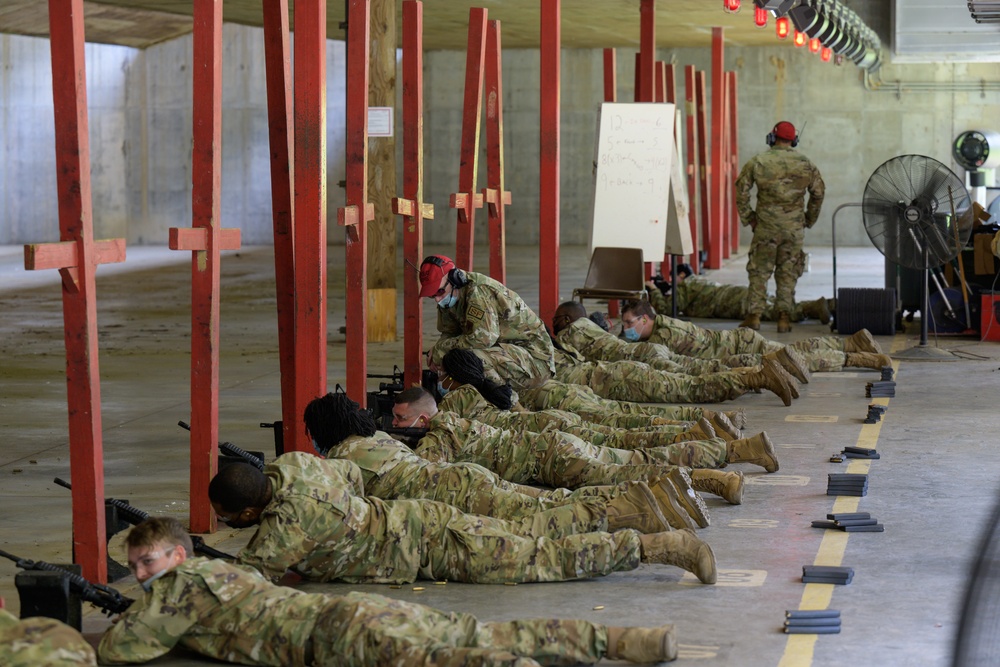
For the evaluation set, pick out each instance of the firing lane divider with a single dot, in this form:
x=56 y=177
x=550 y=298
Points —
x=799 y=648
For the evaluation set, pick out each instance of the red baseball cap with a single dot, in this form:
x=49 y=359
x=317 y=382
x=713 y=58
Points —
x=785 y=130
x=432 y=270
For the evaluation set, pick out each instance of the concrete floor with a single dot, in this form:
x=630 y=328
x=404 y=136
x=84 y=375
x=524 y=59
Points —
x=933 y=488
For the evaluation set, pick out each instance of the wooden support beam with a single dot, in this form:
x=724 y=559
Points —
x=467 y=200
x=357 y=211
x=495 y=195
x=691 y=155
x=280 y=124
x=733 y=154
x=548 y=156
x=76 y=257
x=717 y=241
x=610 y=76
x=309 y=157
x=647 y=51
x=708 y=234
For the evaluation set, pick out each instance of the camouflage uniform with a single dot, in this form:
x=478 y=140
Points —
x=319 y=525
x=698 y=296
x=596 y=344
x=37 y=641
x=635 y=381
x=232 y=614
x=782 y=177
x=554 y=458
x=392 y=471
x=496 y=324
x=821 y=353
x=583 y=401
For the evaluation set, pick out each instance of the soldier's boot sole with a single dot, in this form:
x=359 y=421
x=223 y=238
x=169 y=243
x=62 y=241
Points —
x=862 y=341
x=683 y=549
x=670 y=504
x=789 y=359
x=637 y=509
x=642 y=645
x=756 y=450
x=693 y=503
x=727 y=484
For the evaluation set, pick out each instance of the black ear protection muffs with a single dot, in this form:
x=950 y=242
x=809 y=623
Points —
x=772 y=138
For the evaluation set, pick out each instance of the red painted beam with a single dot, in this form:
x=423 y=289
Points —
x=725 y=189
x=548 y=157
x=309 y=233
x=610 y=76
x=278 y=74
x=647 y=51
x=411 y=206
x=495 y=196
x=659 y=96
x=691 y=155
x=79 y=298
x=717 y=239
x=708 y=234
x=467 y=200
x=733 y=134
x=357 y=211
x=670 y=74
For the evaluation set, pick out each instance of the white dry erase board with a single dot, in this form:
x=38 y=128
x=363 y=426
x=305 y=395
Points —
x=635 y=150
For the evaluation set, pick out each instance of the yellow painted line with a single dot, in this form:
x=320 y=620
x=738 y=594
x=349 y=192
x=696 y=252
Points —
x=799 y=648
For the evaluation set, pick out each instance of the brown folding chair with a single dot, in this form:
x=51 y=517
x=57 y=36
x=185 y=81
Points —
x=614 y=273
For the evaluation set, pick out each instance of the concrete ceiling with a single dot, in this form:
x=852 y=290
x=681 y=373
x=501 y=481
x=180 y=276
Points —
x=585 y=23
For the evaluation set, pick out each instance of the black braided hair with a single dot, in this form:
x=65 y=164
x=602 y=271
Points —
x=333 y=418
x=465 y=367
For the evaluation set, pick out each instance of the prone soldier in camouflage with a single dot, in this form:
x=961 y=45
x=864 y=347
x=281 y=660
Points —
x=392 y=471
x=478 y=313
x=315 y=523
x=697 y=296
x=782 y=176
x=231 y=613
x=819 y=353
x=35 y=641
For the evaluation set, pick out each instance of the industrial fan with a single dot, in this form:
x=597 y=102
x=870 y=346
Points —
x=918 y=214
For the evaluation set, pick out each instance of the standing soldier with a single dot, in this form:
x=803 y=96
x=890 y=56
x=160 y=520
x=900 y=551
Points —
x=782 y=177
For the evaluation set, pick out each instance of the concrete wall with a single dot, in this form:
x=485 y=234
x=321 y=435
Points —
x=140 y=113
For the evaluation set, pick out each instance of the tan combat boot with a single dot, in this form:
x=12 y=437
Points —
x=689 y=499
x=724 y=427
x=867 y=360
x=738 y=417
x=683 y=549
x=793 y=384
x=818 y=310
x=790 y=359
x=756 y=450
x=642 y=644
x=702 y=430
x=725 y=484
x=784 y=324
x=862 y=341
x=668 y=499
x=751 y=322
x=637 y=509
x=771 y=378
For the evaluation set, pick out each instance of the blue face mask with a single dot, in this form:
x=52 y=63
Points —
x=317 y=448
x=448 y=301
x=631 y=335
x=442 y=389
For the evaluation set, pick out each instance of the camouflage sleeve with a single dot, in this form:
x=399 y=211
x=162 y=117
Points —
x=658 y=300
x=148 y=629
x=481 y=326
x=279 y=544
x=743 y=185
x=817 y=190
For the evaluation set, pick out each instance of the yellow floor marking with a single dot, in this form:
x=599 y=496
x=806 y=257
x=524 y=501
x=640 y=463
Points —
x=812 y=418
x=799 y=648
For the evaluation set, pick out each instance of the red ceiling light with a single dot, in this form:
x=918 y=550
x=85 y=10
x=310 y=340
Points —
x=732 y=6
x=783 y=27
x=814 y=45
x=760 y=17
x=825 y=54
x=799 y=39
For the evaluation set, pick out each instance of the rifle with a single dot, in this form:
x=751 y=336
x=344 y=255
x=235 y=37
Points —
x=134 y=516
x=108 y=599
x=408 y=436
x=229 y=449
x=380 y=402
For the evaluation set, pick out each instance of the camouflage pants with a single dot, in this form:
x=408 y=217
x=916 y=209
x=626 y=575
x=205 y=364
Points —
x=663 y=358
x=475 y=490
x=724 y=302
x=592 y=432
x=632 y=381
x=777 y=250
x=367 y=630
x=582 y=400
x=474 y=549
x=510 y=363
x=689 y=339
x=35 y=641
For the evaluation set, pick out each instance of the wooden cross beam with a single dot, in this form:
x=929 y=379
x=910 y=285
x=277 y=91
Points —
x=494 y=194
x=77 y=256
x=411 y=205
x=205 y=240
x=467 y=200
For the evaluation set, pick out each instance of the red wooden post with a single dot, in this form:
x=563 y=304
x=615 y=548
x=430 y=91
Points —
x=734 y=220
x=277 y=68
x=670 y=75
x=205 y=239
x=717 y=240
x=691 y=132
x=494 y=194
x=660 y=96
x=647 y=51
x=77 y=256
x=357 y=210
x=724 y=177
x=708 y=233
x=467 y=200
x=309 y=232
x=610 y=76
x=411 y=206
x=548 y=156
